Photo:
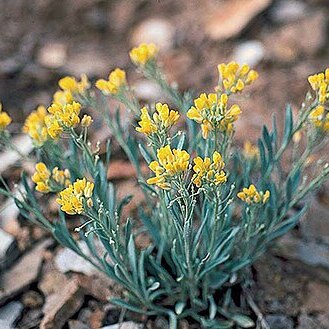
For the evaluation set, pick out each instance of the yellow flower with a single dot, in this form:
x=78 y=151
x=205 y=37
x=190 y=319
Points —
x=213 y=113
x=143 y=53
x=320 y=84
x=62 y=97
x=62 y=116
x=5 y=119
x=252 y=196
x=234 y=78
x=163 y=119
x=35 y=126
x=209 y=172
x=170 y=164
x=76 y=196
x=117 y=79
x=50 y=181
x=320 y=118
x=147 y=125
x=250 y=151
x=54 y=129
x=61 y=177
x=73 y=86
x=86 y=121
x=41 y=177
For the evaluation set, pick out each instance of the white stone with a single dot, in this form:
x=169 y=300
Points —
x=250 y=52
x=9 y=314
x=52 y=55
x=156 y=30
x=67 y=260
x=288 y=10
x=147 y=90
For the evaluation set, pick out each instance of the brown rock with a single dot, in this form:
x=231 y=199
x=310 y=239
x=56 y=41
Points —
x=119 y=169
x=95 y=286
x=23 y=273
x=318 y=298
x=61 y=305
x=229 y=18
x=96 y=318
x=305 y=37
x=51 y=281
x=75 y=324
x=130 y=187
x=32 y=299
x=315 y=224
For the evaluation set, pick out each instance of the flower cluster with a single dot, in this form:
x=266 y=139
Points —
x=213 y=113
x=252 y=196
x=171 y=164
x=162 y=120
x=209 y=172
x=70 y=84
x=62 y=117
x=320 y=84
x=116 y=80
x=50 y=181
x=234 y=78
x=35 y=126
x=76 y=197
x=5 y=119
x=320 y=118
x=143 y=53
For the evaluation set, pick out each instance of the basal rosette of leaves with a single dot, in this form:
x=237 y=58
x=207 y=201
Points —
x=212 y=208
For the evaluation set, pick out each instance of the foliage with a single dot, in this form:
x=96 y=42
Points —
x=212 y=208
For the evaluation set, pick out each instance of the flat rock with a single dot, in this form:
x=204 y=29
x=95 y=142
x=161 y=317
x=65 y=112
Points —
x=229 y=18
x=309 y=253
x=50 y=281
x=60 y=306
x=10 y=157
x=97 y=286
x=24 y=272
x=67 y=260
x=9 y=314
x=8 y=218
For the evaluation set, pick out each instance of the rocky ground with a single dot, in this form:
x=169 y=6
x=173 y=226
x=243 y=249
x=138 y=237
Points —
x=44 y=285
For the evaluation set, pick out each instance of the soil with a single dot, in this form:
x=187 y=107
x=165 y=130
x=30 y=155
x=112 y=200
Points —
x=43 y=40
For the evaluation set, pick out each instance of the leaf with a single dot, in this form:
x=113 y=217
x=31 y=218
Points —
x=288 y=126
x=145 y=153
x=179 y=307
x=243 y=320
x=181 y=142
x=285 y=226
x=132 y=257
x=133 y=308
x=172 y=320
